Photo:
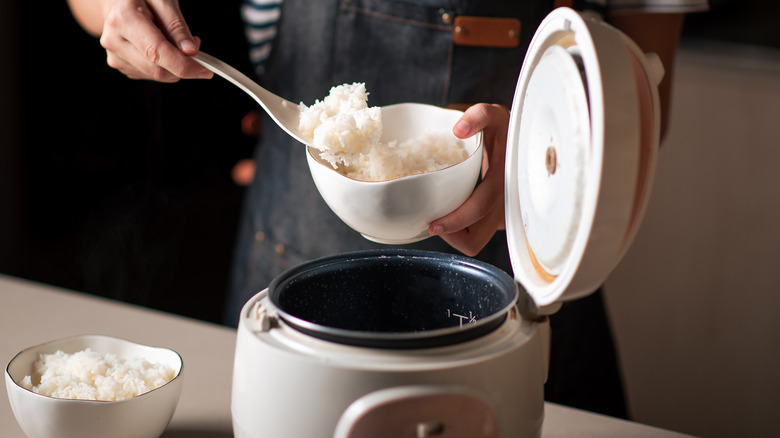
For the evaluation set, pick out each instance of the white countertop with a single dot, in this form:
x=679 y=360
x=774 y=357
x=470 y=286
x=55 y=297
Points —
x=32 y=313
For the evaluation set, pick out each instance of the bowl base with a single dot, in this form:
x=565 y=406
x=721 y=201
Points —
x=422 y=236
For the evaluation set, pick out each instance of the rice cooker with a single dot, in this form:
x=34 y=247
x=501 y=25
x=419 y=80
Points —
x=406 y=343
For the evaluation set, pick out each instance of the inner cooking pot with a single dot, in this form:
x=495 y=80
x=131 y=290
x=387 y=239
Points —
x=394 y=298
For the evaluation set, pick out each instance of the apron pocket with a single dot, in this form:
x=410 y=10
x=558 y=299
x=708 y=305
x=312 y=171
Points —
x=411 y=43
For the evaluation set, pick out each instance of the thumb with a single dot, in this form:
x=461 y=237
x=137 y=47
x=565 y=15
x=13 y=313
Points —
x=172 y=23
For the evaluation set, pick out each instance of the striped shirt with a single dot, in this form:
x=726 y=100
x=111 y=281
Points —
x=261 y=18
x=260 y=26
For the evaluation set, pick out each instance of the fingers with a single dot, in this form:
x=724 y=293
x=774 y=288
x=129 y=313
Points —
x=482 y=201
x=473 y=224
x=478 y=117
x=150 y=41
x=470 y=241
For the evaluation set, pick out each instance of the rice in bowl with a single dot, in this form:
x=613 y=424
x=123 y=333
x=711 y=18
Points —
x=89 y=375
x=348 y=134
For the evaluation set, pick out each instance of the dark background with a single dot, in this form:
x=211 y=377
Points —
x=117 y=187
x=122 y=188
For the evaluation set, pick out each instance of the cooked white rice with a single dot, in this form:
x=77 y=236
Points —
x=347 y=132
x=88 y=375
x=342 y=125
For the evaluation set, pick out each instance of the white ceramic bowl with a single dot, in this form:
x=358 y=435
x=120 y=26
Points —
x=144 y=416
x=398 y=211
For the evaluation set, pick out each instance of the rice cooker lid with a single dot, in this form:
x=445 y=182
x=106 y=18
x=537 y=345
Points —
x=581 y=154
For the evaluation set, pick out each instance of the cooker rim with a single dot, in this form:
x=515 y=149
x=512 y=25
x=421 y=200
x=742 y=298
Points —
x=398 y=339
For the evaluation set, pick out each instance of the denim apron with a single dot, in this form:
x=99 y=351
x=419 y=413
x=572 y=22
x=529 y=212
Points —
x=403 y=50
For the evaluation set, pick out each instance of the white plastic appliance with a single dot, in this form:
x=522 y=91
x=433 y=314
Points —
x=581 y=155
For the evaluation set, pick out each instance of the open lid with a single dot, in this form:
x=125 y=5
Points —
x=581 y=153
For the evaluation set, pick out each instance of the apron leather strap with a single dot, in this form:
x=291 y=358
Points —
x=492 y=31
x=486 y=31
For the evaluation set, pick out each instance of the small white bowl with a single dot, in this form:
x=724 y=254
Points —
x=144 y=416
x=398 y=211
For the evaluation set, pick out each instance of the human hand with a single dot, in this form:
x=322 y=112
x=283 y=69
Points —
x=469 y=228
x=149 y=39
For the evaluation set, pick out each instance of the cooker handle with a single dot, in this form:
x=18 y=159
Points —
x=440 y=411
x=262 y=317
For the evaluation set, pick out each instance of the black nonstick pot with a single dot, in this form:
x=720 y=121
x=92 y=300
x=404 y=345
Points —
x=394 y=298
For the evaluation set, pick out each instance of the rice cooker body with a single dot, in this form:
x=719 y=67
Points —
x=290 y=384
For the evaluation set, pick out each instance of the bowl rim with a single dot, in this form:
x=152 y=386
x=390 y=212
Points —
x=10 y=377
x=478 y=137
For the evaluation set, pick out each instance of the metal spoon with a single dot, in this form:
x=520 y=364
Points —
x=285 y=113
